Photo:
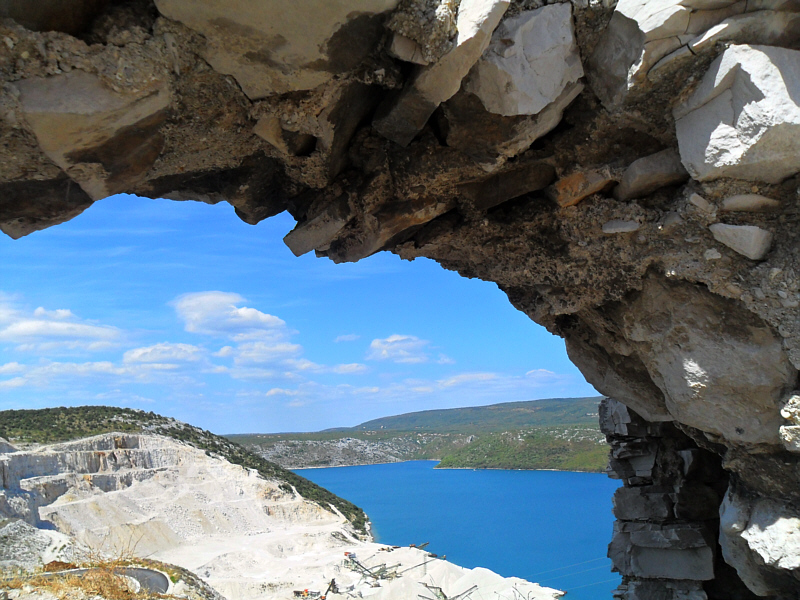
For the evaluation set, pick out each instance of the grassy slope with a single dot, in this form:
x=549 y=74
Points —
x=560 y=433
x=497 y=417
x=51 y=425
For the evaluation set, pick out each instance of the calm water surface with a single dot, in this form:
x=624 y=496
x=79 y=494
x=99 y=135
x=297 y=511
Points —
x=544 y=526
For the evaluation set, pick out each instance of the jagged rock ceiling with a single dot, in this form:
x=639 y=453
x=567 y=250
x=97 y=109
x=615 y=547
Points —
x=626 y=172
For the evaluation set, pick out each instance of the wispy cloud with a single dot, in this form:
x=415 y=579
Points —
x=407 y=349
x=349 y=337
x=164 y=352
x=43 y=330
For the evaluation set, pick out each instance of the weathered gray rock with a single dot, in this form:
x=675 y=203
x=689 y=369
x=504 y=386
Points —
x=272 y=50
x=743 y=120
x=6 y=447
x=632 y=504
x=763 y=27
x=404 y=117
x=748 y=240
x=618 y=419
x=406 y=49
x=648 y=174
x=317 y=233
x=502 y=137
x=290 y=143
x=620 y=226
x=390 y=223
x=28 y=206
x=749 y=203
x=639 y=35
x=530 y=61
x=728 y=385
x=652 y=563
x=104 y=140
x=702 y=204
x=760 y=538
x=487 y=193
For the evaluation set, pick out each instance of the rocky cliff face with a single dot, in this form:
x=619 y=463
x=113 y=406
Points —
x=626 y=172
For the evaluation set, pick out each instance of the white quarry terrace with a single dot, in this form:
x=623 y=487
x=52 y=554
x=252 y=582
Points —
x=630 y=183
x=245 y=536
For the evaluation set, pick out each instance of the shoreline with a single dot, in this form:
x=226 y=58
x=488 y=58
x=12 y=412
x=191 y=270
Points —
x=442 y=468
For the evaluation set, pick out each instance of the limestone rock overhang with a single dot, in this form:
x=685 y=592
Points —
x=629 y=180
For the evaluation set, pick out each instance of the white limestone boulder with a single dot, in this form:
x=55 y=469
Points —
x=760 y=538
x=104 y=139
x=404 y=117
x=748 y=240
x=5 y=447
x=640 y=33
x=650 y=173
x=530 y=61
x=727 y=384
x=743 y=120
x=273 y=47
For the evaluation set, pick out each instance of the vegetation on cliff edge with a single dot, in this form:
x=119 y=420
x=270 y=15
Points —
x=51 y=425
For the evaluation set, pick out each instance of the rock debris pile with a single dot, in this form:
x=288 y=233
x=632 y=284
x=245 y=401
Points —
x=152 y=497
x=625 y=171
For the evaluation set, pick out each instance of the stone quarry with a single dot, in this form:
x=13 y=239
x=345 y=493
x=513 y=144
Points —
x=626 y=172
x=151 y=496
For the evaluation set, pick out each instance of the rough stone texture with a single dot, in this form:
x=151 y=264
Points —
x=407 y=115
x=743 y=120
x=720 y=381
x=570 y=190
x=5 y=447
x=661 y=550
x=749 y=203
x=748 y=240
x=691 y=335
x=648 y=174
x=271 y=50
x=530 y=61
x=105 y=141
x=761 y=538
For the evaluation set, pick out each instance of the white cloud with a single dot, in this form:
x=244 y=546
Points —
x=542 y=375
x=398 y=348
x=265 y=352
x=162 y=353
x=32 y=329
x=350 y=337
x=12 y=383
x=445 y=360
x=464 y=378
x=59 y=313
x=281 y=392
x=9 y=368
x=350 y=368
x=217 y=314
x=45 y=330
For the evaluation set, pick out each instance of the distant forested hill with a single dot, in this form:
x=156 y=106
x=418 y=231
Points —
x=496 y=417
x=558 y=433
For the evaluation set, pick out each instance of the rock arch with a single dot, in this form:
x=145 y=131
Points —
x=625 y=171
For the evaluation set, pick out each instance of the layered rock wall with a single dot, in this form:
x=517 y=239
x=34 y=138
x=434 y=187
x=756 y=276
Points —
x=625 y=171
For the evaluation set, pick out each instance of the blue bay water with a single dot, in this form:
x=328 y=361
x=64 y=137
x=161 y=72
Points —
x=545 y=526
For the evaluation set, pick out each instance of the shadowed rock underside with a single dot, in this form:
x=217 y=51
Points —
x=626 y=172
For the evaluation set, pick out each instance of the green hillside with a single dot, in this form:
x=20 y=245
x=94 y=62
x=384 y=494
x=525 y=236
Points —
x=50 y=425
x=496 y=417
x=559 y=433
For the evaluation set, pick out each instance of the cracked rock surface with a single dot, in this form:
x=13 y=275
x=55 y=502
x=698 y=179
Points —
x=630 y=183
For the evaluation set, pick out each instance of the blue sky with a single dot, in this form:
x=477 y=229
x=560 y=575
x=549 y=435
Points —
x=182 y=309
